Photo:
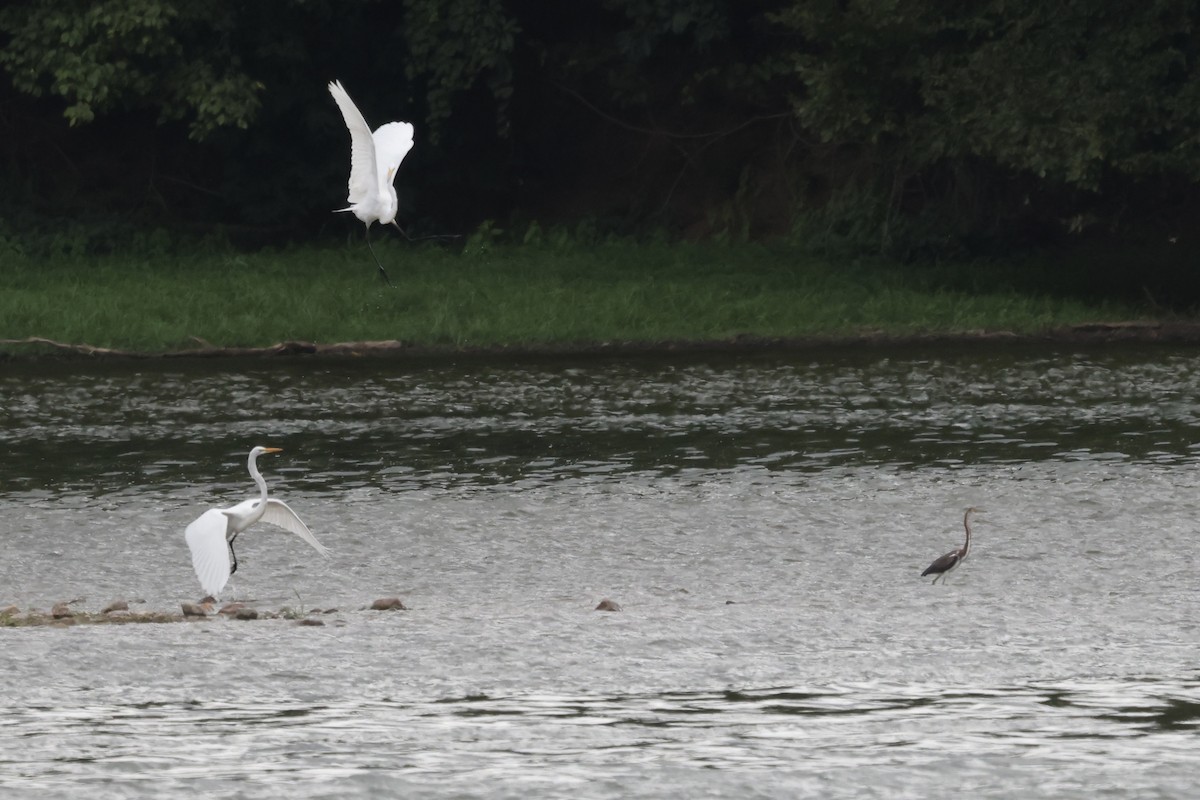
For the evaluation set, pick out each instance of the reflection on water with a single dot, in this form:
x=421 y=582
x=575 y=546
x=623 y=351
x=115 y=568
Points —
x=386 y=425
x=763 y=521
x=692 y=742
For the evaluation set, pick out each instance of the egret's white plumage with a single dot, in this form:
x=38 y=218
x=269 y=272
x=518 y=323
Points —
x=210 y=536
x=374 y=159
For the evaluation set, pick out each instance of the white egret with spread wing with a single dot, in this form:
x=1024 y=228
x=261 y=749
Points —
x=210 y=536
x=374 y=159
x=940 y=567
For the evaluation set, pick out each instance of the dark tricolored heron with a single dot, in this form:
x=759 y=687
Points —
x=952 y=559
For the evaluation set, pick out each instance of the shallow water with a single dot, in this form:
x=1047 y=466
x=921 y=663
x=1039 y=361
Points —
x=762 y=520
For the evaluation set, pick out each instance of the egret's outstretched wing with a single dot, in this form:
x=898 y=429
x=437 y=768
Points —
x=392 y=143
x=210 y=551
x=363 y=178
x=278 y=513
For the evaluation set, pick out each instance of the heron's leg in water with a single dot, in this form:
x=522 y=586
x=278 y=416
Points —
x=382 y=271
x=936 y=577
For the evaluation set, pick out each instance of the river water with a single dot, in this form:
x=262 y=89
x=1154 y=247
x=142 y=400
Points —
x=762 y=520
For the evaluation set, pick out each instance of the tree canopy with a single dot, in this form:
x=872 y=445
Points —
x=907 y=127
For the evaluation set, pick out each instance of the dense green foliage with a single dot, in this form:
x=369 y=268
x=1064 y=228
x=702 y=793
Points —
x=102 y=57
x=548 y=292
x=924 y=127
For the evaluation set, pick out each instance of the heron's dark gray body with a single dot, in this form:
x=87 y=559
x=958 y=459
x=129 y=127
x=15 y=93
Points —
x=944 y=563
x=952 y=559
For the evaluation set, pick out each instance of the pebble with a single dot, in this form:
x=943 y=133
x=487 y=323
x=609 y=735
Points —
x=231 y=608
x=9 y=611
x=115 y=605
x=61 y=611
x=193 y=610
x=245 y=613
x=388 y=604
x=315 y=623
x=608 y=605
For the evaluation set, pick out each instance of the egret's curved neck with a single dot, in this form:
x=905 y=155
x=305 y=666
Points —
x=252 y=465
x=967 y=527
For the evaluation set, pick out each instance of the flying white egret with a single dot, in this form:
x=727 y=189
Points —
x=940 y=567
x=210 y=536
x=374 y=159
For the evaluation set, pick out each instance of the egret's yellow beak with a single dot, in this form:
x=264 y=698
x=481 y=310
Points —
x=272 y=449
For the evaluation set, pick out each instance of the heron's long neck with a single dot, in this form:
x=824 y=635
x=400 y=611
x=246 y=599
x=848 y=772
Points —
x=967 y=527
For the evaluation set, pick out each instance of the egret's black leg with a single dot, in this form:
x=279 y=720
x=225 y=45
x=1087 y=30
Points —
x=404 y=233
x=382 y=271
x=232 y=569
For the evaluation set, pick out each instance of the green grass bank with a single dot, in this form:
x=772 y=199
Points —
x=522 y=295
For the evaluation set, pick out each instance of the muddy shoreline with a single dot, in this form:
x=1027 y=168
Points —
x=62 y=615
x=1172 y=332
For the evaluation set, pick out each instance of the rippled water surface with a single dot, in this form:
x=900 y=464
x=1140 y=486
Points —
x=762 y=520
